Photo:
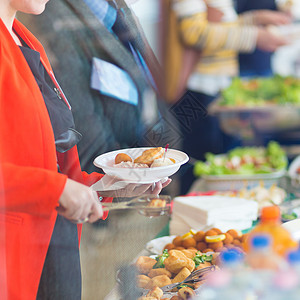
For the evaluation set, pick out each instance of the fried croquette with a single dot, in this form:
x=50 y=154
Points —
x=122 y=157
x=149 y=155
x=182 y=275
x=155 y=292
x=143 y=281
x=189 y=253
x=177 y=241
x=186 y=293
x=157 y=203
x=217 y=230
x=235 y=234
x=189 y=242
x=208 y=250
x=210 y=233
x=169 y=246
x=228 y=239
x=159 y=281
x=144 y=264
x=179 y=248
x=237 y=242
x=204 y=265
x=201 y=246
x=215 y=245
x=177 y=260
x=199 y=236
x=159 y=271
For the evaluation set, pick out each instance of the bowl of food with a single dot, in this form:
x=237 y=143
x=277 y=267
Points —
x=243 y=166
x=259 y=105
x=143 y=165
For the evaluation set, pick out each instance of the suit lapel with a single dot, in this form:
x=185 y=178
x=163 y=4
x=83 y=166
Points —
x=142 y=45
x=112 y=46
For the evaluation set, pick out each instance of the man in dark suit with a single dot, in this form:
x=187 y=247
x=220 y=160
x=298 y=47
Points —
x=75 y=34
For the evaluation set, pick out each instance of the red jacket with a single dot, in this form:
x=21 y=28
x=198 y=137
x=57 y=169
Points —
x=30 y=185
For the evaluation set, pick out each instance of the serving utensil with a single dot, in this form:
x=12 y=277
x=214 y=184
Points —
x=143 y=205
x=195 y=276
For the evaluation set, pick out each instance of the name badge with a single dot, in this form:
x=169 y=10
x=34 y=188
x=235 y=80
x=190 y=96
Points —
x=112 y=81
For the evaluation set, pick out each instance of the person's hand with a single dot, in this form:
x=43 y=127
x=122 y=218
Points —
x=268 y=41
x=214 y=15
x=78 y=203
x=269 y=17
x=134 y=189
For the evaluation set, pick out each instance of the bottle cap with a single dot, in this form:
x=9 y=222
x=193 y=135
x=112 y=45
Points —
x=270 y=213
x=231 y=256
x=294 y=257
x=261 y=241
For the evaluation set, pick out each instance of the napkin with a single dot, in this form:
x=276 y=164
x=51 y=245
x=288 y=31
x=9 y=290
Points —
x=111 y=183
x=180 y=226
x=204 y=212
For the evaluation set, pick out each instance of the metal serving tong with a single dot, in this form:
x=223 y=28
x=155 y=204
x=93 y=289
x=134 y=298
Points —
x=194 y=277
x=143 y=205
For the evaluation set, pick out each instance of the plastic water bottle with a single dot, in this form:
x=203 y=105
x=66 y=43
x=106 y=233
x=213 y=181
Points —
x=263 y=264
x=241 y=277
x=293 y=259
x=228 y=283
x=284 y=286
x=217 y=285
x=270 y=224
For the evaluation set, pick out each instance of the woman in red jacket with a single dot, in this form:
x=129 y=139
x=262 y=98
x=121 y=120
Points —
x=42 y=188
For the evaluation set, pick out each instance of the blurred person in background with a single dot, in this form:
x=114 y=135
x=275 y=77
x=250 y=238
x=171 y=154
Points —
x=212 y=29
x=258 y=63
x=114 y=88
x=43 y=192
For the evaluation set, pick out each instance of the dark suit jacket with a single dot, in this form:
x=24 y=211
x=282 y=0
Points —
x=72 y=36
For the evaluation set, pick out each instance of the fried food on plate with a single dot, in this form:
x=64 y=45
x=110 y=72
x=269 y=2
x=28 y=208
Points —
x=122 y=157
x=144 y=264
x=177 y=260
x=186 y=293
x=182 y=275
x=149 y=155
x=159 y=271
x=157 y=203
x=142 y=281
x=160 y=281
x=155 y=292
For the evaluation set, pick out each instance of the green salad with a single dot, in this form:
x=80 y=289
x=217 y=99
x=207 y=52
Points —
x=244 y=161
x=262 y=91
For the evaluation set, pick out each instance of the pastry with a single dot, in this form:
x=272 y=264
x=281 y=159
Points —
x=149 y=155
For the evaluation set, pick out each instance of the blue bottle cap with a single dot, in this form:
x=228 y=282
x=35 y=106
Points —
x=261 y=241
x=231 y=256
x=294 y=256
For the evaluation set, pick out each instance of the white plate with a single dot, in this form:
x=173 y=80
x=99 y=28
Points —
x=294 y=228
x=156 y=246
x=145 y=175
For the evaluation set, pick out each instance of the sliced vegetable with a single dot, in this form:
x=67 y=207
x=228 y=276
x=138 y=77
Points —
x=160 y=259
x=200 y=258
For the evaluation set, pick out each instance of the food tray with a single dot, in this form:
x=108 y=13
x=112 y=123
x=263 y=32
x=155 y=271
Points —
x=249 y=120
x=237 y=182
